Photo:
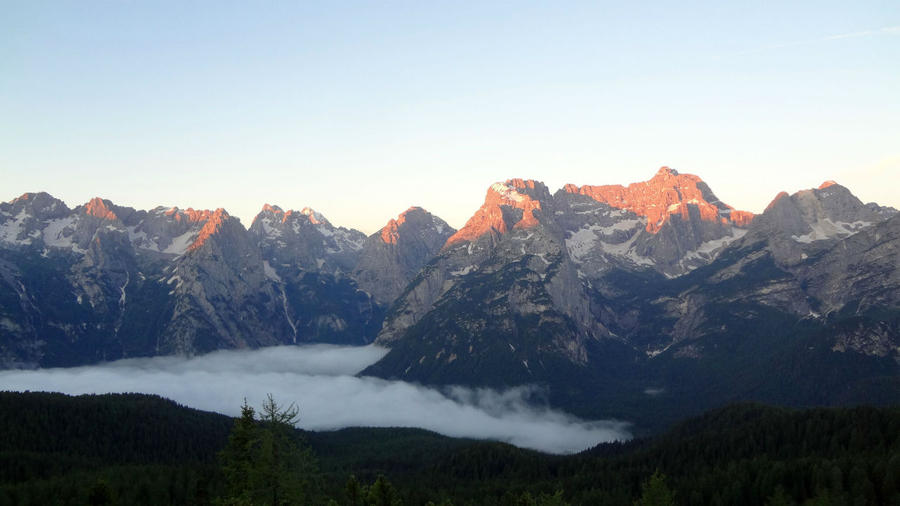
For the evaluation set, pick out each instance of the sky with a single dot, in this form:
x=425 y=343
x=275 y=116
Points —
x=320 y=381
x=362 y=109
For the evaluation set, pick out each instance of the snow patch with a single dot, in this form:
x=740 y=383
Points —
x=269 y=230
x=139 y=238
x=462 y=272
x=625 y=225
x=709 y=249
x=507 y=192
x=623 y=250
x=181 y=243
x=586 y=240
x=826 y=229
x=348 y=240
x=11 y=229
x=581 y=243
x=60 y=233
x=543 y=258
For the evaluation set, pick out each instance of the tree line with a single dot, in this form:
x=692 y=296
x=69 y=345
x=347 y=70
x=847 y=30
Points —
x=139 y=449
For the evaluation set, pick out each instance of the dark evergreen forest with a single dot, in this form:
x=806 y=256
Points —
x=142 y=449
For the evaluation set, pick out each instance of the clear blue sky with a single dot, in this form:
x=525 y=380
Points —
x=361 y=109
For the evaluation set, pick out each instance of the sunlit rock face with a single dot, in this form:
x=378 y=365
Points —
x=599 y=285
x=665 y=195
x=683 y=225
x=507 y=206
x=515 y=208
x=670 y=224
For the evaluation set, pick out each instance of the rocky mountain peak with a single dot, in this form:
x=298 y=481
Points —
x=214 y=222
x=778 y=198
x=268 y=208
x=392 y=256
x=282 y=216
x=305 y=239
x=100 y=208
x=390 y=233
x=307 y=214
x=316 y=218
x=812 y=219
x=418 y=220
x=412 y=211
x=23 y=219
x=666 y=194
x=41 y=205
x=507 y=205
x=191 y=215
x=666 y=171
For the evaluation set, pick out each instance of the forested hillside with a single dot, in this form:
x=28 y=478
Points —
x=140 y=449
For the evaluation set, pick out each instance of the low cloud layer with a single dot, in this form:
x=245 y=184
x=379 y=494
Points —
x=320 y=379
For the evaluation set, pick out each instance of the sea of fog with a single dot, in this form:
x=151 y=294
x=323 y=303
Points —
x=321 y=380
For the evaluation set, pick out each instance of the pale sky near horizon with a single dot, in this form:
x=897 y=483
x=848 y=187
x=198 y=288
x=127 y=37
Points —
x=362 y=109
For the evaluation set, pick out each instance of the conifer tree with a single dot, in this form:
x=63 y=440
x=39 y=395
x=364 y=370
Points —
x=354 y=492
x=383 y=493
x=263 y=462
x=655 y=492
x=238 y=456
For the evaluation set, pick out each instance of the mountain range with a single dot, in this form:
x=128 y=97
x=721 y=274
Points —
x=648 y=301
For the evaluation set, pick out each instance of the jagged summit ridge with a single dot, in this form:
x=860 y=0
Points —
x=311 y=215
x=666 y=194
x=800 y=225
x=822 y=213
x=39 y=220
x=508 y=205
x=671 y=224
x=306 y=240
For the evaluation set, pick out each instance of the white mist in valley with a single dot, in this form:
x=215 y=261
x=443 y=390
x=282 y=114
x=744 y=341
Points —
x=321 y=380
